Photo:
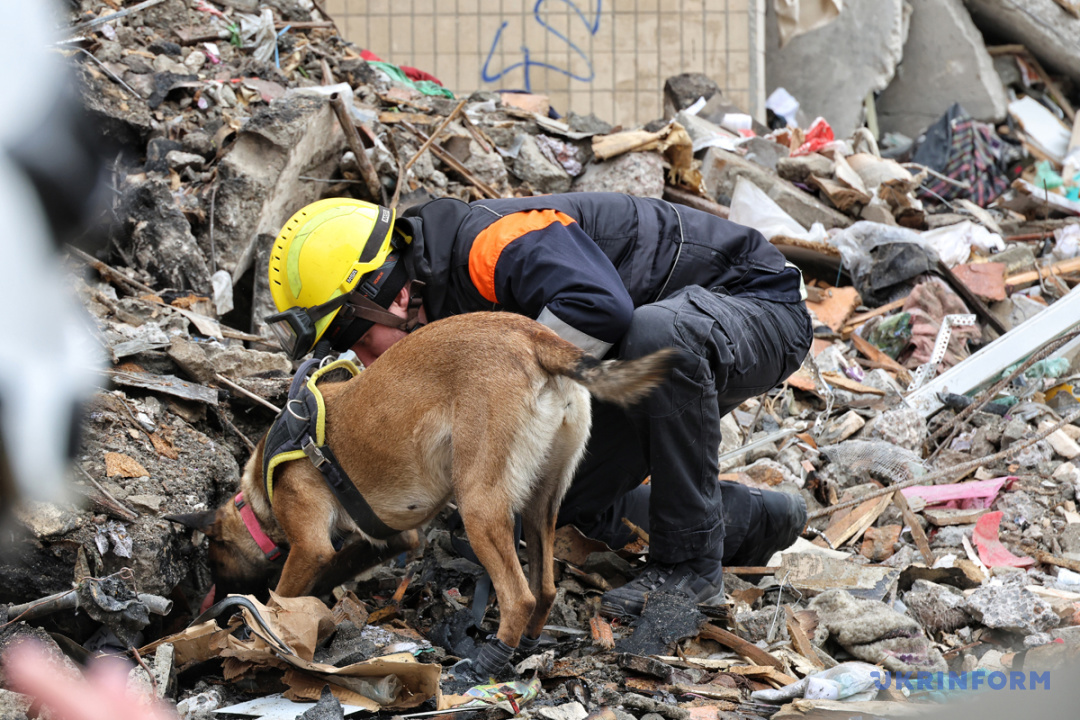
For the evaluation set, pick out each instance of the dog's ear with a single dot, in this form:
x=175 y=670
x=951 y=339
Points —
x=204 y=522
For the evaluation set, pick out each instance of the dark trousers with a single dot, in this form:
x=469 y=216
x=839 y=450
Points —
x=734 y=348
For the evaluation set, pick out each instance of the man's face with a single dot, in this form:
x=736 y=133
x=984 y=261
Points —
x=376 y=341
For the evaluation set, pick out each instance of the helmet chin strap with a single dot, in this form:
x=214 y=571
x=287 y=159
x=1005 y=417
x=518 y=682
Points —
x=367 y=309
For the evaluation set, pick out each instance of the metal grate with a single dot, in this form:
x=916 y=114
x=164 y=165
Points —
x=608 y=57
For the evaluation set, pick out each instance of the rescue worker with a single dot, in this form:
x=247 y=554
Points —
x=619 y=276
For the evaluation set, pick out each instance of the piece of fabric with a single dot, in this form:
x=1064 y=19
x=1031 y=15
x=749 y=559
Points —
x=735 y=348
x=928 y=304
x=488 y=246
x=872 y=631
x=423 y=81
x=966 y=150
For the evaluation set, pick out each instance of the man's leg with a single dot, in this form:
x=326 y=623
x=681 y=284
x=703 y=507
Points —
x=733 y=348
x=607 y=485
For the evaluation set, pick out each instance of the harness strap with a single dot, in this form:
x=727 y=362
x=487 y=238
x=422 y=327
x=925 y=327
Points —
x=299 y=431
x=350 y=498
x=269 y=548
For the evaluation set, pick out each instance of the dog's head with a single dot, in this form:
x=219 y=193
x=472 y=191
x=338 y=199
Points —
x=237 y=564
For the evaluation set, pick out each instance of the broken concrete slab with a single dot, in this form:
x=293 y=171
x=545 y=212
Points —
x=238 y=362
x=945 y=62
x=634 y=173
x=260 y=185
x=813 y=574
x=1012 y=608
x=1043 y=26
x=533 y=168
x=863 y=46
x=721 y=171
x=159 y=240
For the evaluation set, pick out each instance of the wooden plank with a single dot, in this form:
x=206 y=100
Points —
x=973 y=301
x=750 y=570
x=763 y=671
x=948 y=516
x=916 y=529
x=747 y=649
x=802 y=709
x=1048 y=559
x=872 y=352
x=1062 y=267
x=388 y=117
x=856 y=320
x=853 y=524
x=799 y=639
x=689 y=199
x=845 y=383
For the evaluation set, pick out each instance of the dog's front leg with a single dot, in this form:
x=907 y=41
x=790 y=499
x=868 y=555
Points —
x=302 y=567
x=306 y=523
x=490 y=528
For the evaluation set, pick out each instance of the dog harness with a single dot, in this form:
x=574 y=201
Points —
x=299 y=431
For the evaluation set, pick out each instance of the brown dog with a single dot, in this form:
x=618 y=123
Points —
x=490 y=409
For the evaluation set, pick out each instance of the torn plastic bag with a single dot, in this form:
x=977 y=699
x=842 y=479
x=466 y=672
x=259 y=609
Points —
x=751 y=206
x=849 y=681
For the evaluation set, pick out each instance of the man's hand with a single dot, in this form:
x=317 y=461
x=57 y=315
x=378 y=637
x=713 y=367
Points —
x=101 y=694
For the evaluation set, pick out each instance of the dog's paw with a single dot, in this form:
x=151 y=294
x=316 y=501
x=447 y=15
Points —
x=493 y=659
x=526 y=647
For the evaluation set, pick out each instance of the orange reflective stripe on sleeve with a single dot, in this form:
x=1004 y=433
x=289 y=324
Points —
x=489 y=244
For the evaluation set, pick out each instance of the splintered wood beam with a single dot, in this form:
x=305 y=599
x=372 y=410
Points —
x=747 y=649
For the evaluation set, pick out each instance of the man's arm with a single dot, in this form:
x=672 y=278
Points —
x=541 y=263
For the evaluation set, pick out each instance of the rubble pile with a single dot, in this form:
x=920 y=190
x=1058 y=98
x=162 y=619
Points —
x=933 y=430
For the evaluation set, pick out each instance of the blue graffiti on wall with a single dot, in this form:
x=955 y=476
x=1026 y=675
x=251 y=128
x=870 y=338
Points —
x=528 y=63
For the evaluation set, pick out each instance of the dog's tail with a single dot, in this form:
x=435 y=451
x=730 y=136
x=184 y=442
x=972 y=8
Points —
x=623 y=382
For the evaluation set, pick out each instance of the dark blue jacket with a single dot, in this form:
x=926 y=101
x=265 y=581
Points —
x=581 y=262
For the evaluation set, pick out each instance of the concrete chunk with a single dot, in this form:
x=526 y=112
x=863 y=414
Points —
x=1046 y=29
x=721 y=171
x=260 y=176
x=1011 y=608
x=945 y=62
x=862 y=46
x=635 y=173
x=542 y=175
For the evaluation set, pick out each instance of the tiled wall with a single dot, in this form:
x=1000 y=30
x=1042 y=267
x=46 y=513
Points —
x=608 y=57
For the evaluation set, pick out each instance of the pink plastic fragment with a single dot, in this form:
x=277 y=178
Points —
x=965 y=496
x=991 y=551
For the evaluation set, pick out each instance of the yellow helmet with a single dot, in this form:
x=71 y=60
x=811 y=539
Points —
x=323 y=253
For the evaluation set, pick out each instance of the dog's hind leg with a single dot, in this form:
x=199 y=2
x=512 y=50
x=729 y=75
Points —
x=538 y=528
x=540 y=513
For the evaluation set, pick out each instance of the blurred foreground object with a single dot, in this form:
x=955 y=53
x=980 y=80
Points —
x=102 y=694
x=48 y=173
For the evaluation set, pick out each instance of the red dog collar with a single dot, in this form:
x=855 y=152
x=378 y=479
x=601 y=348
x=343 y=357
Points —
x=272 y=551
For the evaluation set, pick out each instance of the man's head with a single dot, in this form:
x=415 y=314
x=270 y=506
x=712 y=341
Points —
x=334 y=272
